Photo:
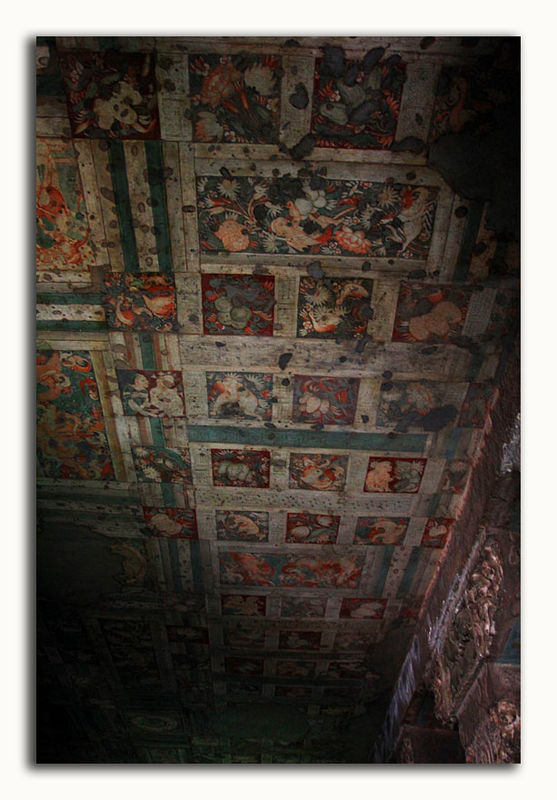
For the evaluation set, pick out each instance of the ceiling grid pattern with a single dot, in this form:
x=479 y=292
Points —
x=268 y=338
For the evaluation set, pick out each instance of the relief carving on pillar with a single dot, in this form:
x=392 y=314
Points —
x=406 y=751
x=497 y=739
x=469 y=636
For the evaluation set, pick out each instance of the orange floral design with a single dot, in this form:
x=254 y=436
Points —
x=233 y=235
x=354 y=241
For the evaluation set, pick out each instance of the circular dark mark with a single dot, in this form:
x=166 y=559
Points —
x=427 y=41
x=410 y=176
x=479 y=248
x=461 y=212
x=387 y=374
x=342 y=359
x=285 y=382
x=220 y=344
x=386 y=387
x=391 y=261
x=365 y=418
x=366 y=266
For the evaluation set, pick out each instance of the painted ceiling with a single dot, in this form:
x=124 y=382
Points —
x=276 y=279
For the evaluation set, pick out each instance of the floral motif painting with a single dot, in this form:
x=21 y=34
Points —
x=170 y=523
x=151 y=393
x=401 y=475
x=143 y=301
x=111 y=94
x=240 y=395
x=363 y=608
x=71 y=434
x=414 y=404
x=301 y=607
x=249 y=468
x=243 y=605
x=315 y=215
x=436 y=532
x=295 y=669
x=333 y=308
x=63 y=239
x=244 y=526
x=476 y=405
x=431 y=313
x=239 y=305
x=235 y=98
x=356 y=104
x=244 y=636
x=163 y=464
x=325 y=400
x=312 y=528
x=380 y=530
x=299 y=640
x=243 y=666
x=324 y=473
x=272 y=569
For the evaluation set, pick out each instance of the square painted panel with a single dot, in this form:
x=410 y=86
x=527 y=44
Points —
x=318 y=472
x=380 y=530
x=436 y=532
x=163 y=464
x=325 y=400
x=399 y=475
x=171 y=523
x=71 y=435
x=63 y=240
x=144 y=301
x=187 y=634
x=235 y=98
x=330 y=308
x=247 y=468
x=363 y=608
x=314 y=528
x=243 y=666
x=353 y=641
x=238 y=305
x=243 y=605
x=293 y=691
x=414 y=404
x=295 y=669
x=314 y=215
x=243 y=526
x=299 y=640
x=240 y=395
x=349 y=669
x=244 y=636
x=302 y=607
x=111 y=94
x=430 y=313
x=356 y=103
x=151 y=393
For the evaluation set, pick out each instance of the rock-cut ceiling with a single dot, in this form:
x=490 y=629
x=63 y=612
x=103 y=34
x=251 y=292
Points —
x=276 y=278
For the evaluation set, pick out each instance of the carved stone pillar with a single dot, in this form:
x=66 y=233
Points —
x=469 y=636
